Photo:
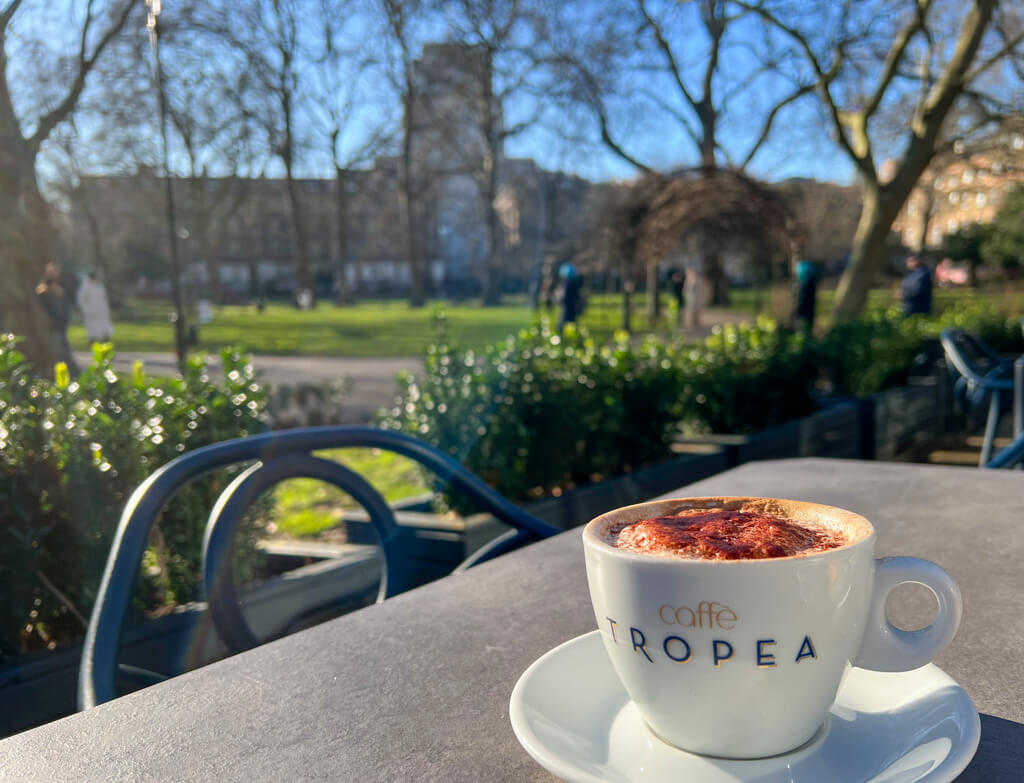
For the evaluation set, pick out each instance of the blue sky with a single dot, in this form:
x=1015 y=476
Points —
x=800 y=145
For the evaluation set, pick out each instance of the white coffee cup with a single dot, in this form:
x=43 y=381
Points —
x=743 y=658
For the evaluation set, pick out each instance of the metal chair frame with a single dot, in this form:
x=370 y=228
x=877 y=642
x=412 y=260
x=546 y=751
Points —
x=275 y=457
x=994 y=383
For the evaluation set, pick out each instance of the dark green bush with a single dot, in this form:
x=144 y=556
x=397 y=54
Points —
x=746 y=377
x=71 y=451
x=876 y=352
x=541 y=412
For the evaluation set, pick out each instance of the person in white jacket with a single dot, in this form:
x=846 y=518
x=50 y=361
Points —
x=92 y=301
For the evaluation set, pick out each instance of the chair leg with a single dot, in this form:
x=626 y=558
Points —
x=991 y=423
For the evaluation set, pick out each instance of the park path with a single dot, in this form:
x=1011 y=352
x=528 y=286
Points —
x=371 y=380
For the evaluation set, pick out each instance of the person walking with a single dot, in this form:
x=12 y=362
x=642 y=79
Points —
x=678 y=280
x=916 y=288
x=57 y=304
x=571 y=295
x=95 y=308
x=805 y=300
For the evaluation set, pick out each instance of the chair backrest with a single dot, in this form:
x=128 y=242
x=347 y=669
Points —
x=275 y=456
x=970 y=356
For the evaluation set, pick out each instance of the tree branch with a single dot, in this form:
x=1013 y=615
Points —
x=85 y=64
x=895 y=56
x=8 y=13
x=766 y=129
x=825 y=77
x=666 y=49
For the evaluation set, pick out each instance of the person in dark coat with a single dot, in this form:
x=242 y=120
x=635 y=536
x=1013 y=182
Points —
x=678 y=280
x=571 y=295
x=806 y=297
x=56 y=301
x=916 y=288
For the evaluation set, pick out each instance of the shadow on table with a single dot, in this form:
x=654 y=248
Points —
x=1000 y=755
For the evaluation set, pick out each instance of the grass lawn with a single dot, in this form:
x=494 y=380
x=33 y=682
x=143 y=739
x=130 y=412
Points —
x=371 y=328
x=305 y=507
x=392 y=328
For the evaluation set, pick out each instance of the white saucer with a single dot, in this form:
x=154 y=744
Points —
x=571 y=714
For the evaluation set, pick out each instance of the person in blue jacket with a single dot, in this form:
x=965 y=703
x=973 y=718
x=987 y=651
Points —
x=916 y=288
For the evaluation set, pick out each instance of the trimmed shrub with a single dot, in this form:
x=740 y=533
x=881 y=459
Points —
x=71 y=452
x=541 y=412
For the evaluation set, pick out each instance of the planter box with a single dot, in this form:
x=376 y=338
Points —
x=44 y=688
x=579 y=506
x=906 y=418
x=831 y=432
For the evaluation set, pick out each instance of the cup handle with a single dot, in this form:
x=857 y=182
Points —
x=887 y=648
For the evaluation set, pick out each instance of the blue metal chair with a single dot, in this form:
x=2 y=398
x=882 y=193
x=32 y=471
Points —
x=275 y=457
x=984 y=376
x=1010 y=457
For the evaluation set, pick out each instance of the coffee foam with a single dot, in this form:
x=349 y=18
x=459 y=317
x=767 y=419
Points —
x=828 y=520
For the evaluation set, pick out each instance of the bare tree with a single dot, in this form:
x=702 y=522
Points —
x=206 y=109
x=340 y=66
x=54 y=82
x=400 y=26
x=503 y=39
x=690 y=64
x=911 y=63
x=272 y=37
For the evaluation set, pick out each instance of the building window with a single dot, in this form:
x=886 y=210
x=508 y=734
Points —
x=1018 y=141
x=954 y=198
x=980 y=199
x=912 y=209
x=968 y=176
x=952 y=225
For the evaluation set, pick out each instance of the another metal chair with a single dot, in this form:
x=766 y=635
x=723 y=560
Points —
x=983 y=375
x=275 y=457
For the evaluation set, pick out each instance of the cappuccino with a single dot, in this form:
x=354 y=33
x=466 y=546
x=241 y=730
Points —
x=722 y=534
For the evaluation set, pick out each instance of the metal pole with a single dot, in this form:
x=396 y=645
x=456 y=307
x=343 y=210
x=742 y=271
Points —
x=1018 y=402
x=180 y=347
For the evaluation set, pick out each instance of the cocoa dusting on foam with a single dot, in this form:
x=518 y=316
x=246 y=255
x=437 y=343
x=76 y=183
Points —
x=720 y=534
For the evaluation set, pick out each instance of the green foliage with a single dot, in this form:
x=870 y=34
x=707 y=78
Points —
x=746 y=377
x=966 y=244
x=1005 y=245
x=877 y=351
x=541 y=412
x=71 y=452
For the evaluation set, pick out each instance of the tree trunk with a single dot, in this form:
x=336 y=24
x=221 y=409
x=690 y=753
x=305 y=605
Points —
x=868 y=253
x=341 y=219
x=714 y=272
x=495 y=241
x=24 y=251
x=303 y=270
x=407 y=206
x=653 y=293
x=211 y=262
x=627 y=301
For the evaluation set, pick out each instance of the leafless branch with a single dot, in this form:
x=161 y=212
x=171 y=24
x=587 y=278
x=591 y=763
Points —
x=8 y=13
x=84 y=65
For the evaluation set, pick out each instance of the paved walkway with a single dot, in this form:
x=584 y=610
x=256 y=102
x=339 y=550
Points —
x=372 y=380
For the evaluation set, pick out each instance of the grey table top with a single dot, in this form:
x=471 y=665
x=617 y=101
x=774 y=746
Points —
x=417 y=689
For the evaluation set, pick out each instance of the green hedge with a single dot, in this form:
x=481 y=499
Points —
x=71 y=452
x=540 y=412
